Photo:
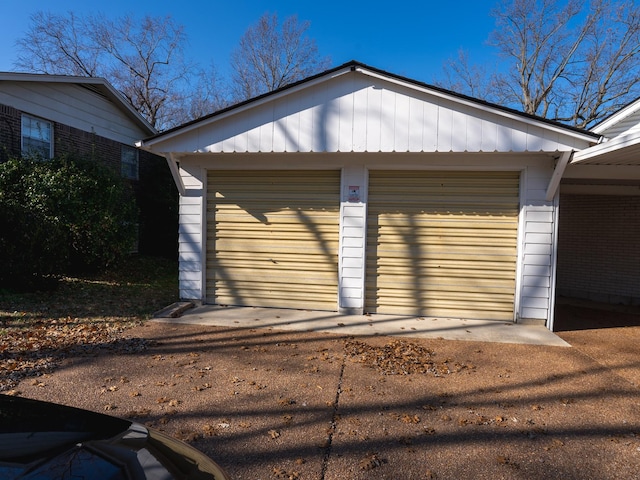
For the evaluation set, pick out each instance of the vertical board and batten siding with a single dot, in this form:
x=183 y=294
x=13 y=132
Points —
x=442 y=243
x=72 y=105
x=272 y=238
x=357 y=113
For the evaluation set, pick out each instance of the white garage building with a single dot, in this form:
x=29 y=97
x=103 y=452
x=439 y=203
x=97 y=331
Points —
x=358 y=190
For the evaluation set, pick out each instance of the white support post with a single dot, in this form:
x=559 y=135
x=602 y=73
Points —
x=554 y=183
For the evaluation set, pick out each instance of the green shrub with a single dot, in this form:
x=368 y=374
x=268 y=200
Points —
x=60 y=216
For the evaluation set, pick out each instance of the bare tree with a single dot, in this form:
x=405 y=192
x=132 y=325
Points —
x=207 y=94
x=462 y=76
x=57 y=44
x=147 y=64
x=569 y=61
x=271 y=56
x=142 y=58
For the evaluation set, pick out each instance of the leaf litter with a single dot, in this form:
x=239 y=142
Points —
x=399 y=357
x=38 y=330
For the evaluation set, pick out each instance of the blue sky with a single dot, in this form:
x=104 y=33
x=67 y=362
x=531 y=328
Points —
x=412 y=39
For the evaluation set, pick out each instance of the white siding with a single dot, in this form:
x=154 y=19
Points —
x=537 y=244
x=190 y=240
x=72 y=105
x=626 y=125
x=352 y=241
x=359 y=113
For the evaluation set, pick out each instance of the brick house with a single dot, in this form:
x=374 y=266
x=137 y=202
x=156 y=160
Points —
x=52 y=115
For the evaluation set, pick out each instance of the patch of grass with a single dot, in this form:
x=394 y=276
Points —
x=84 y=315
x=134 y=289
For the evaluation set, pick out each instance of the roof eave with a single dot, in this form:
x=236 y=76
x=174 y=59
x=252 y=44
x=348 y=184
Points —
x=601 y=149
x=101 y=83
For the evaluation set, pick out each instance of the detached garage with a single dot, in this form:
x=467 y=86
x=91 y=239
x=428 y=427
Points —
x=359 y=191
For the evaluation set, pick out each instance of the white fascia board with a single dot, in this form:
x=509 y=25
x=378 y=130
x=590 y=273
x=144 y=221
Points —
x=267 y=98
x=617 y=117
x=612 y=145
x=45 y=77
x=480 y=106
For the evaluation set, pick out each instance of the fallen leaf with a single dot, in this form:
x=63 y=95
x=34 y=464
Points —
x=370 y=462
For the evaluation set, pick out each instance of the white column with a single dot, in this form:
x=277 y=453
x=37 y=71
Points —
x=353 y=235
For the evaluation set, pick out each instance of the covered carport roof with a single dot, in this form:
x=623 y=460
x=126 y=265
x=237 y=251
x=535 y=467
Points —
x=620 y=141
x=623 y=150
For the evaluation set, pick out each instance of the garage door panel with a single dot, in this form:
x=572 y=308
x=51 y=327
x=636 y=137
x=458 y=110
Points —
x=455 y=276
x=306 y=273
x=239 y=258
x=441 y=243
x=239 y=219
x=417 y=293
x=441 y=263
x=453 y=252
x=455 y=309
x=427 y=242
x=273 y=238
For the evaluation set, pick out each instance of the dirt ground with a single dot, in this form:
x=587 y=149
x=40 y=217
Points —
x=268 y=404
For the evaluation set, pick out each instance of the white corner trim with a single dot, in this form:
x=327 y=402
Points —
x=551 y=316
x=554 y=182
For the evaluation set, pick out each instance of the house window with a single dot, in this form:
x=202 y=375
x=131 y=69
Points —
x=129 y=162
x=37 y=137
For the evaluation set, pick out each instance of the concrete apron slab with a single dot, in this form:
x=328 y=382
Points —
x=396 y=325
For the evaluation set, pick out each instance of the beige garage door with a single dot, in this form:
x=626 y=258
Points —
x=272 y=238
x=442 y=244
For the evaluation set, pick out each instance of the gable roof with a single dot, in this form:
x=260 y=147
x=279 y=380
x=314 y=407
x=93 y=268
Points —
x=98 y=85
x=353 y=95
x=620 y=144
x=625 y=118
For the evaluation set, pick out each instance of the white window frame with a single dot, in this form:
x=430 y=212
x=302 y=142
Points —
x=44 y=130
x=129 y=165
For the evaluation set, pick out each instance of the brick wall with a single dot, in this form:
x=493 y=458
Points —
x=155 y=191
x=10 y=125
x=599 y=248
x=66 y=139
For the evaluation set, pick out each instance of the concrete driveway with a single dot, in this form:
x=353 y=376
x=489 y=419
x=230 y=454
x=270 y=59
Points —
x=267 y=402
x=396 y=325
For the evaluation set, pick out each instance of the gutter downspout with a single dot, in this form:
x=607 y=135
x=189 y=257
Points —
x=554 y=183
x=172 y=161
